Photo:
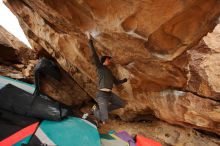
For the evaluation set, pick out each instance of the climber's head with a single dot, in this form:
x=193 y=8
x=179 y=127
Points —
x=106 y=60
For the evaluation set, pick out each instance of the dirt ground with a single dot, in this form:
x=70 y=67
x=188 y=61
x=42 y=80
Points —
x=166 y=134
x=163 y=132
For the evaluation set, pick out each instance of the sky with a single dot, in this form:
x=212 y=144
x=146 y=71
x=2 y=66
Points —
x=10 y=23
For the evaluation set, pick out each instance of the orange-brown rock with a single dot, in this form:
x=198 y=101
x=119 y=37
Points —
x=66 y=90
x=184 y=29
x=18 y=61
x=148 y=41
x=186 y=109
x=203 y=76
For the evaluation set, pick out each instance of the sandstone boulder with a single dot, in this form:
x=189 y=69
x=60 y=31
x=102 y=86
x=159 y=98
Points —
x=148 y=41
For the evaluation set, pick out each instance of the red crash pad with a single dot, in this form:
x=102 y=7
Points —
x=143 y=141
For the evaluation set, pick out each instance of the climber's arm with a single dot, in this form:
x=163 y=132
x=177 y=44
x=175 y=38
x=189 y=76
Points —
x=94 y=54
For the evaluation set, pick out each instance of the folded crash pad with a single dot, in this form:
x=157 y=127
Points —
x=16 y=96
x=22 y=85
x=16 y=129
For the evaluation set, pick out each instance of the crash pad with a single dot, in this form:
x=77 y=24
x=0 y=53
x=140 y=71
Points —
x=22 y=85
x=143 y=141
x=112 y=140
x=126 y=137
x=69 y=132
x=16 y=129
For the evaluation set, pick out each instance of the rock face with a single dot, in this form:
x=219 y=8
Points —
x=203 y=77
x=16 y=59
x=152 y=44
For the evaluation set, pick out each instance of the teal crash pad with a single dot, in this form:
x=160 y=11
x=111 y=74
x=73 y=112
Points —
x=69 y=132
x=22 y=85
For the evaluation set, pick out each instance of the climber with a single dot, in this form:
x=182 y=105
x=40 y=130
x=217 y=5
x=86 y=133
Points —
x=105 y=98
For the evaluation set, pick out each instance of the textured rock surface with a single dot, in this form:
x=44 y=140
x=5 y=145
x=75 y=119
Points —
x=204 y=66
x=16 y=59
x=67 y=90
x=148 y=42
